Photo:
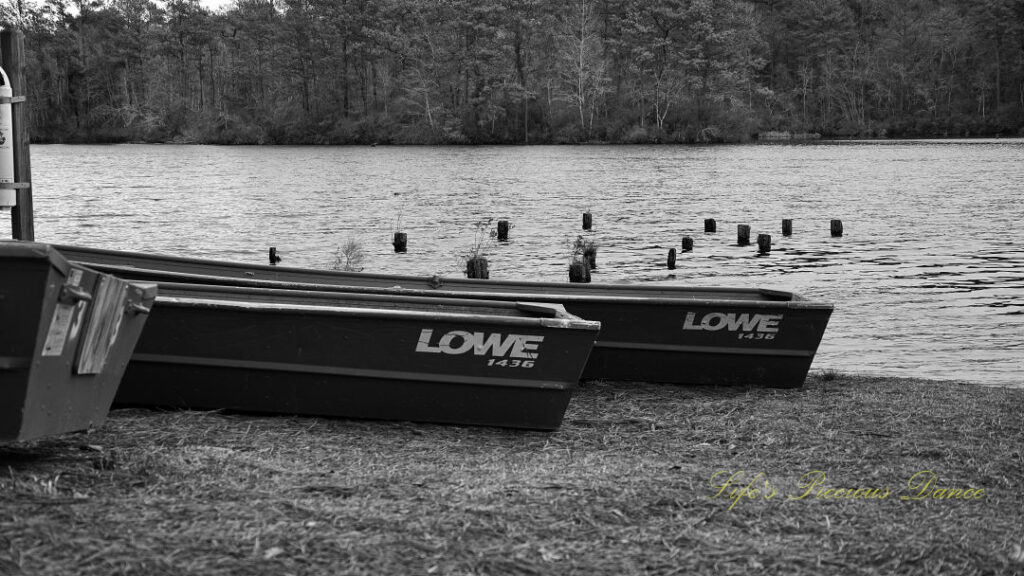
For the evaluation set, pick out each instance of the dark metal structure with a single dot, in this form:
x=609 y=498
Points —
x=66 y=334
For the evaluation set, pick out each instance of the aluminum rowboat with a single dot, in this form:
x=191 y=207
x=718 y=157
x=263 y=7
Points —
x=675 y=334
x=370 y=356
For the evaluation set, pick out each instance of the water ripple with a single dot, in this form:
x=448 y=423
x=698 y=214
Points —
x=928 y=279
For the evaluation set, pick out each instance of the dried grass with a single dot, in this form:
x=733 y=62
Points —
x=624 y=487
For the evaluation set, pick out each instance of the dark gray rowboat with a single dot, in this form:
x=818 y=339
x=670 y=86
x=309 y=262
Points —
x=66 y=333
x=686 y=335
x=392 y=357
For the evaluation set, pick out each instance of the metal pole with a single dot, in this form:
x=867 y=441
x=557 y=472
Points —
x=12 y=59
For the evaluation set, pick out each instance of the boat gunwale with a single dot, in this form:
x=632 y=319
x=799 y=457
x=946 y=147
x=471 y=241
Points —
x=230 y=291
x=797 y=301
x=569 y=322
x=243 y=268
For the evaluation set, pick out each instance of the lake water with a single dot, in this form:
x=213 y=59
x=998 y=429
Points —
x=928 y=279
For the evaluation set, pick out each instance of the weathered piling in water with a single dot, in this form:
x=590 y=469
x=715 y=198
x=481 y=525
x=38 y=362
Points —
x=588 y=220
x=764 y=243
x=837 y=228
x=476 y=267
x=743 y=234
x=787 y=227
x=13 y=60
x=274 y=258
x=579 y=270
x=710 y=226
x=399 y=242
x=671 y=258
x=503 y=228
x=687 y=244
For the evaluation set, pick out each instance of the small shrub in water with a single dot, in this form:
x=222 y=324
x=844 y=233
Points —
x=475 y=258
x=350 y=256
x=587 y=249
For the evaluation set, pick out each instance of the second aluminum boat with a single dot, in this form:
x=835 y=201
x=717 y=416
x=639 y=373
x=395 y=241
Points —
x=676 y=334
x=358 y=355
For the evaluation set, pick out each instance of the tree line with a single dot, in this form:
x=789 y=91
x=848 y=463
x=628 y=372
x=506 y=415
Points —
x=519 y=71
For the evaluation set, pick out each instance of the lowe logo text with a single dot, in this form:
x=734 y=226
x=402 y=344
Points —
x=715 y=321
x=480 y=343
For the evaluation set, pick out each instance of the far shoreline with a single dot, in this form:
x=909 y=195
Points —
x=754 y=141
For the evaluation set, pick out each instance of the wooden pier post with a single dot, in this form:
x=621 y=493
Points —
x=671 y=258
x=687 y=244
x=503 y=228
x=743 y=234
x=588 y=220
x=399 y=241
x=764 y=243
x=12 y=47
x=837 y=228
x=579 y=270
x=710 y=226
x=787 y=227
x=476 y=267
x=274 y=258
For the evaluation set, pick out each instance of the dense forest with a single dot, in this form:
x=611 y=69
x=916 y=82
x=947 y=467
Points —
x=519 y=71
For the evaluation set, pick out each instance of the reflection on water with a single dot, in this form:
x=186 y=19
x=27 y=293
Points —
x=928 y=279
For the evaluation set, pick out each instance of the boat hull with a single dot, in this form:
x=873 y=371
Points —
x=704 y=341
x=673 y=334
x=66 y=338
x=358 y=356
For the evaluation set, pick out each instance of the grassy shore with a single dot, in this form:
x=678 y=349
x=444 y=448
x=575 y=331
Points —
x=635 y=482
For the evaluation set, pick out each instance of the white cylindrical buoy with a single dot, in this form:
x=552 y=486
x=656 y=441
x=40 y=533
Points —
x=8 y=199
x=8 y=196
